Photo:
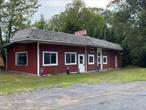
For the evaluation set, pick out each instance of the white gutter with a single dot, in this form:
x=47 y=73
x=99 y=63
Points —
x=38 y=59
x=86 y=61
x=101 y=61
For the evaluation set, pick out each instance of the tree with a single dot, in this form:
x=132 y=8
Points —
x=78 y=17
x=14 y=15
x=129 y=29
x=40 y=24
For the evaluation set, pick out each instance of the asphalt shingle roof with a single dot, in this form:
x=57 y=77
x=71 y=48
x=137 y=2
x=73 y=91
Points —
x=60 y=37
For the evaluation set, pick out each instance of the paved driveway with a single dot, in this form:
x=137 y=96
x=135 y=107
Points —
x=130 y=96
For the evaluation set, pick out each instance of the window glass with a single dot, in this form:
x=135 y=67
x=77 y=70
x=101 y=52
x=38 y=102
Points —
x=70 y=58
x=21 y=58
x=47 y=58
x=90 y=59
x=50 y=58
x=98 y=60
x=81 y=59
x=104 y=59
x=53 y=58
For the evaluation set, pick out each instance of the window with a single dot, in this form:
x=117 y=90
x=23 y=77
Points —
x=98 y=58
x=70 y=58
x=50 y=58
x=21 y=58
x=90 y=59
x=104 y=59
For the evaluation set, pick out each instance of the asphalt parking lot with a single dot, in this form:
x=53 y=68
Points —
x=129 y=96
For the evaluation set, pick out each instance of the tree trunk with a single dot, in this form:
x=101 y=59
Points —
x=2 y=50
x=9 y=30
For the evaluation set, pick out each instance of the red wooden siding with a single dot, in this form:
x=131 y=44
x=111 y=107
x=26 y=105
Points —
x=91 y=50
x=61 y=68
x=32 y=59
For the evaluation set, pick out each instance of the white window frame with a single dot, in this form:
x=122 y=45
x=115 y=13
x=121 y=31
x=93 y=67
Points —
x=106 y=60
x=16 y=56
x=75 y=58
x=91 y=55
x=50 y=53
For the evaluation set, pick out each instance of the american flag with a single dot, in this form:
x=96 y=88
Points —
x=81 y=33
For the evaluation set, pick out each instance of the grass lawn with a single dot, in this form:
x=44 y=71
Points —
x=12 y=83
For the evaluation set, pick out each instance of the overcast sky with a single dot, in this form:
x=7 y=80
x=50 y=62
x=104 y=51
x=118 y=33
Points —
x=51 y=7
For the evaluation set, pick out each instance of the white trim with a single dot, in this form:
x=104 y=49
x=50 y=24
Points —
x=51 y=52
x=16 y=54
x=105 y=63
x=91 y=55
x=116 y=61
x=38 y=59
x=75 y=58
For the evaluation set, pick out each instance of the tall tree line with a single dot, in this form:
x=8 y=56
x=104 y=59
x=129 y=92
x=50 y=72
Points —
x=128 y=21
x=123 y=23
x=14 y=15
x=77 y=16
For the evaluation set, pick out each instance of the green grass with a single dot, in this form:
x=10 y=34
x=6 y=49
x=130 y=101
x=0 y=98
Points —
x=12 y=83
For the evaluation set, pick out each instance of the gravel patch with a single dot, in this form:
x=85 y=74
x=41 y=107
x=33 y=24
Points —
x=129 y=96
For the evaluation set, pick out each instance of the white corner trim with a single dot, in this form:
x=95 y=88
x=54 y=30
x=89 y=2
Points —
x=16 y=54
x=54 y=52
x=91 y=55
x=38 y=59
x=75 y=58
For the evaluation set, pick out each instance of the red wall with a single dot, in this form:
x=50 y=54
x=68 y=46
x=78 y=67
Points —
x=92 y=66
x=111 y=59
x=61 y=68
x=32 y=64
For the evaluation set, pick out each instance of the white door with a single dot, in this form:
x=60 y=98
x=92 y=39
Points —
x=116 y=61
x=81 y=63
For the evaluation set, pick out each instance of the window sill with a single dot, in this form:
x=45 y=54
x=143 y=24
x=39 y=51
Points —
x=70 y=64
x=91 y=63
x=50 y=65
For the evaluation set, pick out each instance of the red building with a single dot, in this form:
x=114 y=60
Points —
x=38 y=52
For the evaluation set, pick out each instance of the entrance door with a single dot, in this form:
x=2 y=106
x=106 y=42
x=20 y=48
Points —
x=81 y=63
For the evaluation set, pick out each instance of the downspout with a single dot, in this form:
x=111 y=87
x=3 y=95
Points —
x=101 y=61
x=38 y=59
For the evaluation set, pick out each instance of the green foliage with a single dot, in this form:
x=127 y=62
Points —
x=129 y=29
x=40 y=24
x=78 y=17
x=15 y=15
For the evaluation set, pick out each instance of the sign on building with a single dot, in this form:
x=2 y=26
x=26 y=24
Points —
x=81 y=33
